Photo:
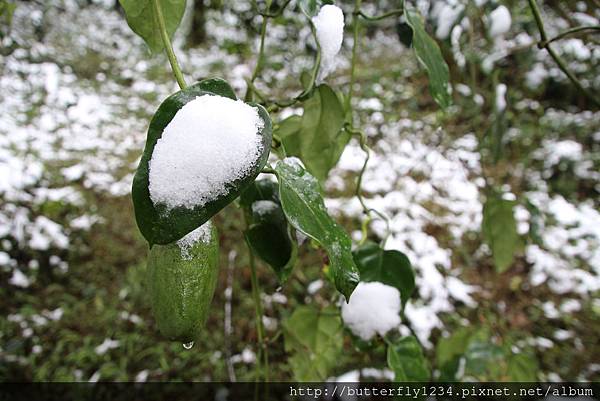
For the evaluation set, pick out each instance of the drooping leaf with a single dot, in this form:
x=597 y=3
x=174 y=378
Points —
x=388 y=267
x=259 y=190
x=500 y=230
x=317 y=138
x=160 y=225
x=305 y=210
x=269 y=235
x=288 y=131
x=141 y=18
x=314 y=338
x=405 y=357
x=430 y=56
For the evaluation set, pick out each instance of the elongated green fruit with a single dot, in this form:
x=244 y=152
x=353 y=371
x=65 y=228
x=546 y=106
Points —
x=181 y=282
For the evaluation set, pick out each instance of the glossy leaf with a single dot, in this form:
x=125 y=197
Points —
x=386 y=266
x=259 y=190
x=317 y=138
x=269 y=235
x=500 y=231
x=160 y=225
x=141 y=19
x=305 y=210
x=430 y=57
x=314 y=338
x=405 y=357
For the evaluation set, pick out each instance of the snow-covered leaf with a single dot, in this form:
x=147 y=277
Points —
x=166 y=214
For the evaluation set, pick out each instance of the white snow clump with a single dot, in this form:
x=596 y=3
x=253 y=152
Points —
x=211 y=141
x=374 y=308
x=500 y=98
x=329 y=25
x=500 y=21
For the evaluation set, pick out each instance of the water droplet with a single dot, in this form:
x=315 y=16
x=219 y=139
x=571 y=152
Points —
x=188 y=345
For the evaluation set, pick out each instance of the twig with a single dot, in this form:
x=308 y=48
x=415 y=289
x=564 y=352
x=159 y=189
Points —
x=392 y=13
x=160 y=20
x=569 y=32
x=545 y=44
x=227 y=323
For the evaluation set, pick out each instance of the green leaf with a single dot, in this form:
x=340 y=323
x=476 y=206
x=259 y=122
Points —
x=160 y=225
x=388 y=267
x=522 y=367
x=6 y=14
x=305 y=210
x=449 y=350
x=317 y=138
x=315 y=339
x=269 y=235
x=141 y=19
x=310 y=8
x=500 y=230
x=429 y=55
x=484 y=360
x=405 y=357
x=288 y=131
x=259 y=190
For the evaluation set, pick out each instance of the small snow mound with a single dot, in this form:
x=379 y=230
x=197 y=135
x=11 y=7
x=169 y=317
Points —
x=500 y=98
x=202 y=234
x=211 y=142
x=500 y=21
x=329 y=25
x=374 y=308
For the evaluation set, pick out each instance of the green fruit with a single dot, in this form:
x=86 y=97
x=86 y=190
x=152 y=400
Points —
x=182 y=285
x=159 y=225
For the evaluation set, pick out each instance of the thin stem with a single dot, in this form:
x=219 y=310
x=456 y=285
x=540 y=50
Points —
x=356 y=28
x=571 y=31
x=358 y=190
x=392 y=13
x=259 y=61
x=160 y=20
x=278 y=12
x=544 y=43
x=263 y=354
